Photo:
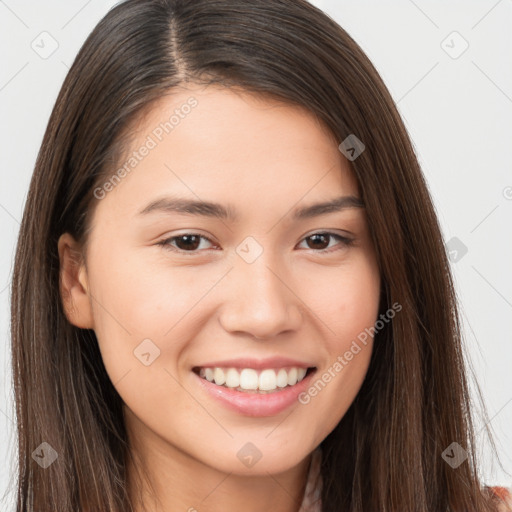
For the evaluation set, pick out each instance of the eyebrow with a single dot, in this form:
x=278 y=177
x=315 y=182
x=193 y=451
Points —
x=217 y=210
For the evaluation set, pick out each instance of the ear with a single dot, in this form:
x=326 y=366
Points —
x=73 y=284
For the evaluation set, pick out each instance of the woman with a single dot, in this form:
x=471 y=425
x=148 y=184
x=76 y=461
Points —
x=180 y=342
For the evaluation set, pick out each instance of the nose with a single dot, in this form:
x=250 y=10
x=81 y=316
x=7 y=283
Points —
x=261 y=302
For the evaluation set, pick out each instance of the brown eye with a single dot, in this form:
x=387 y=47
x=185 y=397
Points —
x=188 y=242
x=191 y=242
x=318 y=241
x=321 y=242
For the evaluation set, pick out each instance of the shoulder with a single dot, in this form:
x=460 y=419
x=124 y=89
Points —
x=503 y=496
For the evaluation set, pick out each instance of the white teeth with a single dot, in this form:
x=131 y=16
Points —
x=232 y=378
x=218 y=376
x=282 y=378
x=248 y=379
x=266 y=380
x=292 y=377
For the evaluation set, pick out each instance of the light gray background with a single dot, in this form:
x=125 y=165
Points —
x=457 y=108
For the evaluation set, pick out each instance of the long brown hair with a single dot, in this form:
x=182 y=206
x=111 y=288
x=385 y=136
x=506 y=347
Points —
x=386 y=452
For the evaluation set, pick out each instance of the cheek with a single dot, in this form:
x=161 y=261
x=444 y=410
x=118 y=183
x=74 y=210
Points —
x=145 y=311
x=141 y=297
x=349 y=310
x=348 y=300
x=130 y=306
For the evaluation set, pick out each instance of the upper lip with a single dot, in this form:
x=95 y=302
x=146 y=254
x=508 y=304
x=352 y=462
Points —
x=257 y=364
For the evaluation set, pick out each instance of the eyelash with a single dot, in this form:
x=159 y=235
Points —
x=345 y=242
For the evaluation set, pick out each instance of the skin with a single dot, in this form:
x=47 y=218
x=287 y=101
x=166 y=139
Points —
x=264 y=158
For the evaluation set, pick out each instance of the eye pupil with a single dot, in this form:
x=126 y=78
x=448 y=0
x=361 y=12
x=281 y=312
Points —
x=317 y=237
x=187 y=239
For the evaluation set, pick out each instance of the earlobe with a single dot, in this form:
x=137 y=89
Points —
x=73 y=284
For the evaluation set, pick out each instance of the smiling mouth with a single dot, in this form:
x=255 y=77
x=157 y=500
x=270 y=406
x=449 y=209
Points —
x=250 y=380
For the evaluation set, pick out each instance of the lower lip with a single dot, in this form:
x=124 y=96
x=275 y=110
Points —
x=256 y=404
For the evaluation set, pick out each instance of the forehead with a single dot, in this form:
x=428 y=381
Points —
x=229 y=145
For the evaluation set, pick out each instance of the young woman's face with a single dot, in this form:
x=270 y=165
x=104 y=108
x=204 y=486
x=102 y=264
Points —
x=168 y=292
